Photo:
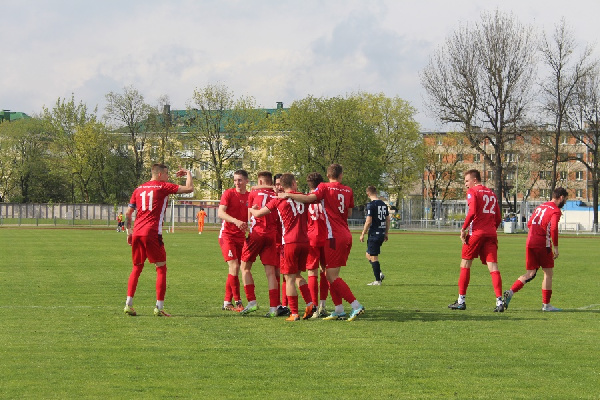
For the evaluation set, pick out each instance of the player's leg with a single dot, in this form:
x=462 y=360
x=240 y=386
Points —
x=464 y=278
x=292 y=297
x=157 y=255
x=547 y=290
x=373 y=250
x=532 y=264
x=249 y=288
x=273 y=283
x=138 y=256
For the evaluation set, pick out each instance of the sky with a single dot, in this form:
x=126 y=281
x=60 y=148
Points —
x=272 y=50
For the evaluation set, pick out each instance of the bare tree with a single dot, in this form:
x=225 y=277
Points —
x=129 y=110
x=567 y=69
x=584 y=121
x=482 y=78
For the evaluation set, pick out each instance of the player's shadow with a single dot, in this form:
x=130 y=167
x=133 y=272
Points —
x=435 y=316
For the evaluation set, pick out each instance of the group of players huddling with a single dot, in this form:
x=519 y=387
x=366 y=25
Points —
x=293 y=232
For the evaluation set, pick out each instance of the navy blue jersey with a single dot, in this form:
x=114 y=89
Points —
x=378 y=211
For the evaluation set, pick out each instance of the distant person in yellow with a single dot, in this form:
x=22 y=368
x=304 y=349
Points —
x=120 y=223
x=200 y=216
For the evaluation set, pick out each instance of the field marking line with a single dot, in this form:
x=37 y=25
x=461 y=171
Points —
x=588 y=307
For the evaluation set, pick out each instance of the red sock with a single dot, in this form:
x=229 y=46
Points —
x=546 y=295
x=463 y=281
x=335 y=296
x=249 y=290
x=306 y=294
x=323 y=287
x=293 y=303
x=518 y=285
x=273 y=298
x=161 y=282
x=313 y=285
x=284 y=299
x=344 y=290
x=235 y=288
x=497 y=282
x=133 y=279
x=228 y=292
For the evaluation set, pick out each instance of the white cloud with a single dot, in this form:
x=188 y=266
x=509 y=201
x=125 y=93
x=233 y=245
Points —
x=273 y=50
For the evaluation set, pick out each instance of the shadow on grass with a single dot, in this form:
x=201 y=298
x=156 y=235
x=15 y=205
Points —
x=435 y=316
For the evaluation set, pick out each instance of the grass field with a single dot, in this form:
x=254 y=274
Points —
x=64 y=334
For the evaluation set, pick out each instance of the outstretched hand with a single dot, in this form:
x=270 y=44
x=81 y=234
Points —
x=181 y=172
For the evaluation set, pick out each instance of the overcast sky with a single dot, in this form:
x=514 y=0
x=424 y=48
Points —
x=272 y=50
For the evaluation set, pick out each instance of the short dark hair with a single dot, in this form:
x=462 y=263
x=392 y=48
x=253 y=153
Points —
x=334 y=171
x=242 y=172
x=276 y=176
x=371 y=189
x=474 y=174
x=157 y=167
x=287 y=180
x=267 y=176
x=313 y=179
x=559 y=191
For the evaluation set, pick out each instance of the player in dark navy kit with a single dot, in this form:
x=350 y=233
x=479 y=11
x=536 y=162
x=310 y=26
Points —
x=377 y=225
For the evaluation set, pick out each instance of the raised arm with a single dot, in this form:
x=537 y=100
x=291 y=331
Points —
x=189 y=185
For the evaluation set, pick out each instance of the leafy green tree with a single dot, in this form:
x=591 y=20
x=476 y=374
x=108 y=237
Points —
x=221 y=127
x=322 y=131
x=397 y=133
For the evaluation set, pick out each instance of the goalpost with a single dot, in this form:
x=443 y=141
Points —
x=182 y=213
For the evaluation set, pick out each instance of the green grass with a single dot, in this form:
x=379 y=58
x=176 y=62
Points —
x=64 y=334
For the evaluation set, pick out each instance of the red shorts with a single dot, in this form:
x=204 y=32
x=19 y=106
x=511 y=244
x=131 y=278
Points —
x=231 y=248
x=150 y=247
x=484 y=247
x=263 y=246
x=294 y=255
x=337 y=252
x=536 y=257
x=316 y=255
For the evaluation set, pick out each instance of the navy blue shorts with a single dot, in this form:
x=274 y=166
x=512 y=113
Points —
x=374 y=244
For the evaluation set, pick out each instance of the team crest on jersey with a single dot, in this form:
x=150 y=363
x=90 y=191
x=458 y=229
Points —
x=469 y=196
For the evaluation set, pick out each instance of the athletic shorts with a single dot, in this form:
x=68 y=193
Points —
x=316 y=256
x=374 y=244
x=279 y=251
x=231 y=248
x=536 y=257
x=294 y=255
x=263 y=246
x=337 y=252
x=484 y=247
x=148 y=247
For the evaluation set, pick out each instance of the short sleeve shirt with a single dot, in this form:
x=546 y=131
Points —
x=150 y=202
x=543 y=226
x=237 y=207
x=484 y=212
x=266 y=225
x=337 y=199
x=378 y=211
x=294 y=219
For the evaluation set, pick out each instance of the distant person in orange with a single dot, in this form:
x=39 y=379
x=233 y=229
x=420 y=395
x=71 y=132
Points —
x=200 y=216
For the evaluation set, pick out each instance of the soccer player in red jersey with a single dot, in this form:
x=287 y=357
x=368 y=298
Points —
x=233 y=210
x=338 y=201
x=541 y=248
x=294 y=221
x=317 y=235
x=149 y=200
x=283 y=310
x=261 y=241
x=479 y=237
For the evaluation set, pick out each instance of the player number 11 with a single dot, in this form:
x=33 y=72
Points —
x=150 y=197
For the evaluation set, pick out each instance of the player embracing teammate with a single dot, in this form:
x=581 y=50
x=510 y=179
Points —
x=338 y=201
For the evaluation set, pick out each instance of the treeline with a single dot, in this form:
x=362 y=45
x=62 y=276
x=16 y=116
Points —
x=71 y=154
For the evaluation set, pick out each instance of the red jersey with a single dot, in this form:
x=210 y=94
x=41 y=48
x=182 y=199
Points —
x=543 y=226
x=294 y=220
x=336 y=199
x=150 y=202
x=266 y=226
x=237 y=207
x=484 y=212
x=317 y=229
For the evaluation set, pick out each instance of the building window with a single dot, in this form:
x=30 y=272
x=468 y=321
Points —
x=459 y=157
x=545 y=193
x=439 y=157
x=511 y=157
x=580 y=156
x=563 y=175
x=477 y=157
x=510 y=175
x=579 y=193
x=440 y=141
x=490 y=175
x=579 y=175
x=253 y=165
x=564 y=139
